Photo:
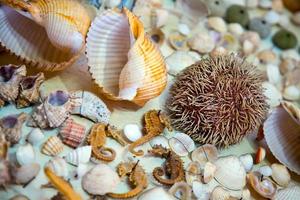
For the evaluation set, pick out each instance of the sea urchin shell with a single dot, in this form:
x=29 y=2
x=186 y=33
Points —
x=218 y=100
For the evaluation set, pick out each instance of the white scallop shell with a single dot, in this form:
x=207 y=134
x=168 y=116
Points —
x=247 y=161
x=59 y=166
x=26 y=173
x=132 y=132
x=25 y=154
x=181 y=144
x=201 y=191
x=79 y=155
x=193 y=173
x=35 y=136
x=230 y=173
x=159 y=140
x=280 y=174
x=53 y=146
x=88 y=105
x=205 y=153
x=265 y=170
x=100 y=180
x=288 y=193
x=281 y=132
x=156 y=193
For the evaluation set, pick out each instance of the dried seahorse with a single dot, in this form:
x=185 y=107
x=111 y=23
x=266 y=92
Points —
x=112 y=131
x=137 y=178
x=97 y=139
x=173 y=166
x=155 y=122
x=61 y=185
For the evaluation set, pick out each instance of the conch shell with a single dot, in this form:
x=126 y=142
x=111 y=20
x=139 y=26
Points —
x=123 y=60
x=47 y=34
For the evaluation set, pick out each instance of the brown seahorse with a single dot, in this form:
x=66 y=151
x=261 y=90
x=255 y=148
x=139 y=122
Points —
x=97 y=139
x=137 y=178
x=155 y=122
x=173 y=166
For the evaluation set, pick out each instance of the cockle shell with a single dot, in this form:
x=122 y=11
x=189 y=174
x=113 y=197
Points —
x=252 y=37
x=126 y=65
x=156 y=193
x=247 y=161
x=25 y=154
x=53 y=146
x=181 y=144
x=230 y=173
x=209 y=172
x=181 y=190
x=35 y=136
x=11 y=127
x=10 y=77
x=72 y=133
x=25 y=173
x=283 y=122
x=90 y=106
x=132 y=132
x=205 y=153
x=29 y=90
x=52 y=112
x=280 y=174
x=79 y=155
x=288 y=193
x=100 y=180
x=265 y=187
x=193 y=173
x=59 y=166
x=47 y=34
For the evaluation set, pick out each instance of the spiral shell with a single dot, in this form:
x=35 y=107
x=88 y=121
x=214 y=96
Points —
x=79 y=155
x=123 y=61
x=53 y=146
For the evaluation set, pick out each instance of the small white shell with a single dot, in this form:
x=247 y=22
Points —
x=132 y=132
x=159 y=140
x=181 y=190
x=209 y=172
x=272 y=17
x=181 y=144
x=202 y=42
x=220 y=194
x=274 y=96
x=79 y=155
x=235 y=29
x=156 y=193
x=178 y=61
x=59 y=166
x=280 y=174
x=201 y=190
x=273 y=74
x=193 y=173
x=217 y=24
x=265 y=170
x=25 y=154
x=81 y=169
x=26 y=173
x=184 y=29
x=290 y=54
x=248 y=47
x=247 y=161
x=35 y=136
x=291 y=93
x=266 y=4
x=252 y=3
x=205 y=153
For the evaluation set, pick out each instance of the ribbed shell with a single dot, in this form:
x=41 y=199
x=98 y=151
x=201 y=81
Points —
x=50 y=38
x=123 y=61
x=53 y=146
x=289 y=193
x=72 y=133
x=79 y=155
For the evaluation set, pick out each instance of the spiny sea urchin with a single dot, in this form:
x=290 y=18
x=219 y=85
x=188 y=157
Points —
x=218 y=100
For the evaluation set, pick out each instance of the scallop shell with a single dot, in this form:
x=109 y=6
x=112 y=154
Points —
x=193 y=173
x=35 y=136
x=156 y=193
x=100 y=180
x=79 y=155
x=205 y=153
x=281 y=131
x=181 y=190
x=53 y=146
x=11 y=127
x=288 y=193
x=10 y=77
x=47 y=34
x=265 y=187
x=230 y=173
x=25 y=154
x=25 y=173
x=90 y=106
x=280 y=174
x=52 y=112
x=59 y=166
x=181 y=144
x=125 y=64
x=160 y=140
x=29 y=90
x=72 y=133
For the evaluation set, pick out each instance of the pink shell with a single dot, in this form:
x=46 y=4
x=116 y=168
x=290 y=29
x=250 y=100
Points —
x=72 y=133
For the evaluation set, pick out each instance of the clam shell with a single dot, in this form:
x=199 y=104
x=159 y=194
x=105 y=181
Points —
x=280 y=174
x=26 y=173
x=100 y=180
x=181 y=144
x=230 y=173
x=247 y=161
x=59 y=166
x=42 y=34
x=11 y=127
x=281 y=132
x=156 y=193
x=193 y=173
x=53 y=146
x=52 y=112
x=72 y=133
x=90 y=106
x=265 y=187
x=79 y=155
x=288 y=193
x=10 y=78
x=205 y=153
x=29 y=90
x=25 y=154
x=35 y=136
x=125 y=64
x=160 y=140
x=132 y=132
x=181 y=190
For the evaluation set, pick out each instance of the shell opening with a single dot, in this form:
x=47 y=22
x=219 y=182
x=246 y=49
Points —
x=6 y=73
x=9 y=122
x=58 y=98
x=28 y=82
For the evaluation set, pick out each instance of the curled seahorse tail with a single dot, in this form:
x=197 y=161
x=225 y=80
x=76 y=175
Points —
x=158 y=173
x=132 y=193
x=139 y=142
x=100 y=154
